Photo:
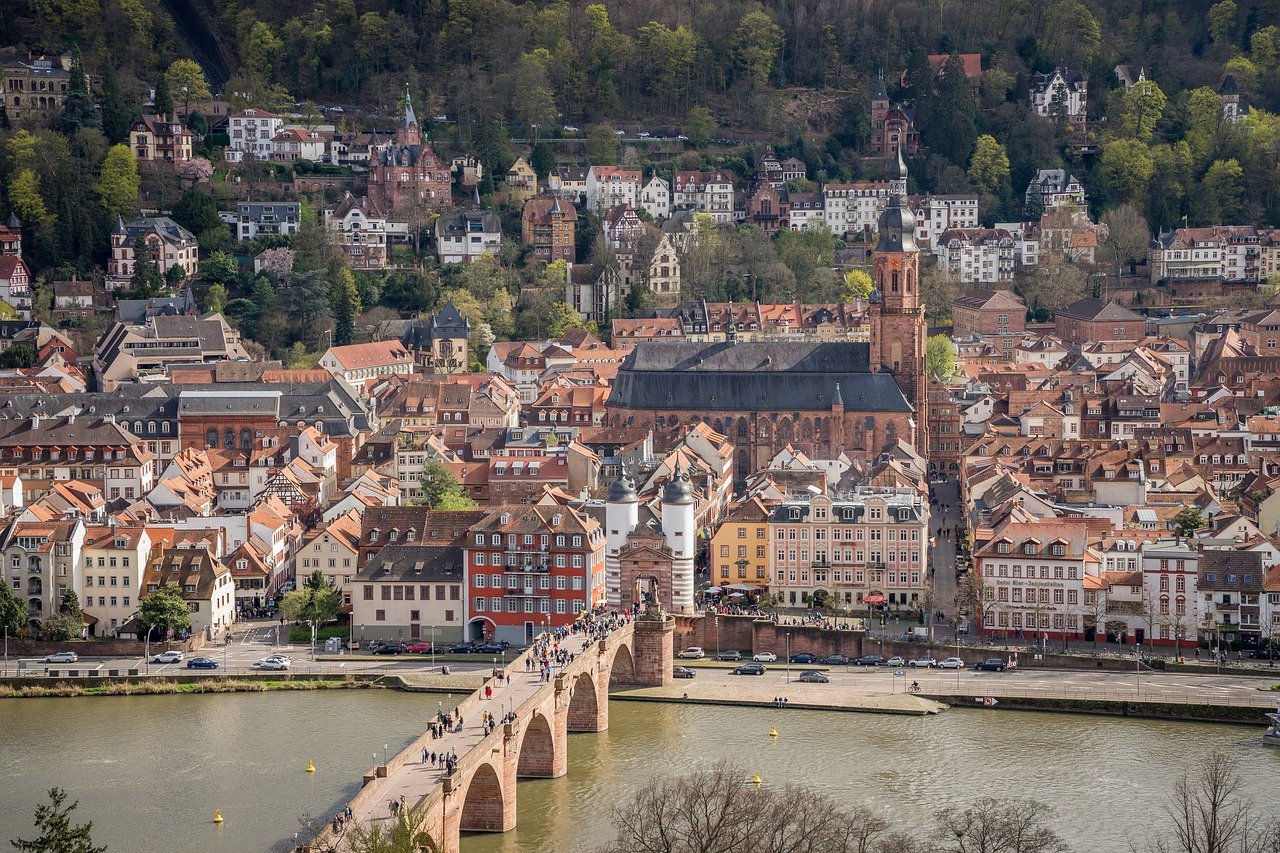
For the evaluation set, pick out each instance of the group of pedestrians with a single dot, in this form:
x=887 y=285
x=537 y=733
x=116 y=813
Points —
x=779 y=701
x=445 y=760
x=339 y=821
x=444 y=723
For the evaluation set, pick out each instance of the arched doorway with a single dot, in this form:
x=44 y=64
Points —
x=584 y=707
x=482 y=808
x=820 y=598
x=480 y=629
x=537 y=750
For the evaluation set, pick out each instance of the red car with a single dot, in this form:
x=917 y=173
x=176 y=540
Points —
x=419 y=649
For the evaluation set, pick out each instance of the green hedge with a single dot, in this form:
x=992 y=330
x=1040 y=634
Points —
x=302 y=633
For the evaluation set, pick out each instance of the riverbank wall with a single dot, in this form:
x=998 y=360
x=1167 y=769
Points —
x=168 y=685
x=1189 y=713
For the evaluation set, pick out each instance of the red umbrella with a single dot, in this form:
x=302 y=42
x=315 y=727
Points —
x=874 y=599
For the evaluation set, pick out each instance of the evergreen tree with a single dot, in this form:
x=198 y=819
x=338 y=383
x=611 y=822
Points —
x=57 y=834
x=306 y=301
x=78 y=110
x=950 y=125
x=117 y=112
x=344 y=303
x=147 y=280
x=163 y=99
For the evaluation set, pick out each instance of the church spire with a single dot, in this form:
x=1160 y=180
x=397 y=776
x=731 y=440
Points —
x=410 y=119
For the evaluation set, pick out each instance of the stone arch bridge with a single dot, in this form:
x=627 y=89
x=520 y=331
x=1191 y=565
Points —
x=480 y=795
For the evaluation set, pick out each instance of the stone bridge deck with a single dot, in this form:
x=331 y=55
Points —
x=480 y=795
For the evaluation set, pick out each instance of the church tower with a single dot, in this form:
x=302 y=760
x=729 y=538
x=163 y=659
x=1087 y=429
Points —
x=621 y=515
x=898 y=330
x=408 y=132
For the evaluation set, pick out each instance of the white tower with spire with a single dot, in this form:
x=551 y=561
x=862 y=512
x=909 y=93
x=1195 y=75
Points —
x=678 y=528
x=621 y=515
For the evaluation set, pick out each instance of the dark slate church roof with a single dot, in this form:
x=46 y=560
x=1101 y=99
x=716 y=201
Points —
x=769 y=376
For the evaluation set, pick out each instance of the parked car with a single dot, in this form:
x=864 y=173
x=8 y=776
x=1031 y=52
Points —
x=62 y=657
x=836 y=660
x=749 y=669
x=419 y=649
x=171 y=656
x=692 y=653
x=390 y=649
x=733 y=656
x=951 y=663
x=682 y=672
x=492 y=648
x=644 y=134
x=568 y=128
x=274 y=664
x=870 y=660
x=804 y=657
x=992 y=665
x=462 y=649
x=896 y=660
x=925 y=662
x=764 y=657
x=814 y=677
x=202 y=663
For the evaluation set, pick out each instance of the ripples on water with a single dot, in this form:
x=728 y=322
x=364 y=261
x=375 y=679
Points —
x=149 y=771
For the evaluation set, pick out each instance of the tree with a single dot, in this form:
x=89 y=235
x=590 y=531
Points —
x=57 y=833
x=938 y=289
x=856 y=285
x=317 y=602
x=1127 y=166
x=1054 y=282
x=119 y=184
x=1210 y=812
x=1140 y=108
x=1222 y=192
x=117 y=111
x=13 y=613
x=940 y=356
x=602 y=145
x=440 y=489
x=707 y=810
x=306 y=300
x=989 y=167
x=26 y=199
x=1204 y=117
x=404 y=833
x=166 y=607
x=999 y=826
x=19 y=355
x=215 y=299
x=542 y=159
x=1222 y=18
x=69 y=604
x=1187 y=521
x=219 y=268
x=1127 y=235
x=78 y=109
x=146 y=281
x=344 y=304
x=1070 y=31
x=699 y=125
x=756 y=42
x=187 y=84
x=950 y=125
x=163 y=100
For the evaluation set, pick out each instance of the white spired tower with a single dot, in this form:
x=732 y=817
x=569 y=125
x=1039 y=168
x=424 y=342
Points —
x=621 y=515
x=680 y=533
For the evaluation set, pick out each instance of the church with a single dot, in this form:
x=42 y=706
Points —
x=406 y=170
x=820 y=397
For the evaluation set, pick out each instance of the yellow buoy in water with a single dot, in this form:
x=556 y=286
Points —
x=217 y=815
x=756 y=780
x=773 y=732
x=311 y=768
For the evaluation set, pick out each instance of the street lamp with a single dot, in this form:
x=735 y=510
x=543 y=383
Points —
x=788 y=657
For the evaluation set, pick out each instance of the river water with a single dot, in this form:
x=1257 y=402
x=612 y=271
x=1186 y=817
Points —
x=149 y=771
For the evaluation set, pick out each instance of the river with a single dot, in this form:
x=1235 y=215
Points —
x=151 y=770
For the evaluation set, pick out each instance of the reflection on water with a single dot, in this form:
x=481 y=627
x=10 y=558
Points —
x=149 y=771
x=1104 y=775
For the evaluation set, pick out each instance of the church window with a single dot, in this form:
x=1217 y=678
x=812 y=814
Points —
x=211 y=438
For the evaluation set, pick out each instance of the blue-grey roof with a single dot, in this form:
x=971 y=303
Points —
x=757 y=375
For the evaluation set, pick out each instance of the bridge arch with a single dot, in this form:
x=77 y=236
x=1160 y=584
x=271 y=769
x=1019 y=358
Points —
x=585 y=707
x=482 y=802
x=537 y=752
x=622 y=666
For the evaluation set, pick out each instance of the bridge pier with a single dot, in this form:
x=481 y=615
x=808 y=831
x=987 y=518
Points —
x=654 y=650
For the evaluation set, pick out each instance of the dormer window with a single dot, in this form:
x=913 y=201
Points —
x=1030 y=548
x=1003 y=548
